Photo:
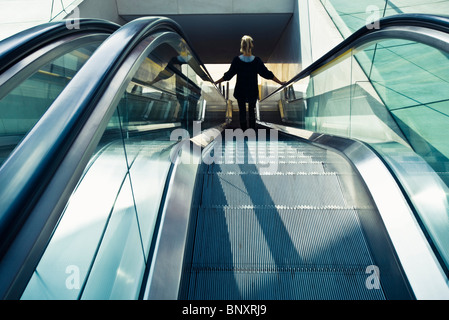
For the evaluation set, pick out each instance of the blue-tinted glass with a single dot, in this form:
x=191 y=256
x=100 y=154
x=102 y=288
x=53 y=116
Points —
x=405 y=74
x=67 y=260
x=119 y=264
x=22 y=107
x=397 y=100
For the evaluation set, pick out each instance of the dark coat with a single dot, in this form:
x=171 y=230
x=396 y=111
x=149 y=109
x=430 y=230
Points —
x=247 y=87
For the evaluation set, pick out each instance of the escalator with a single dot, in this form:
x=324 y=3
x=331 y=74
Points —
x=288 y=232
x=145 y=191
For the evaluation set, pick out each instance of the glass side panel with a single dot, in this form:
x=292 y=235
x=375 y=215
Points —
x=119 y=264
x=164 y=95
x=162 y=103
x=329 y=93
x=407 y=73
x=412 y=79
x=393 y=95
x=102 y=244
x=67 y=261
x=21 y=108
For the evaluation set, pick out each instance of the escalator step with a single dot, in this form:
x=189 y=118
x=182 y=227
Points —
x=279 y=254
x=283 y=234
x=277 y=167
x=313 y=284
x=267 y=237
x=318 y=190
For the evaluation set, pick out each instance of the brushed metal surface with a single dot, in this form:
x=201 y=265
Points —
x=288 y=234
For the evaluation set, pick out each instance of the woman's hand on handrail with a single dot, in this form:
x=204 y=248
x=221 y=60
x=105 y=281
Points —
x=275 y=79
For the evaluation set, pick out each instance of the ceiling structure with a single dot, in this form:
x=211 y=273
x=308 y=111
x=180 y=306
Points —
x=216 y=38
x=214 y=28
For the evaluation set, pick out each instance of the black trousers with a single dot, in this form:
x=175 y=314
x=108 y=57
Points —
x=251 y=111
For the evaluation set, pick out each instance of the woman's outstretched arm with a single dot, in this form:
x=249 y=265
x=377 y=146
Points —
x=275 y=79
x=219 y=81
x=230 y=73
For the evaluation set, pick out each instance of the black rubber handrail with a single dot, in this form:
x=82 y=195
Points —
x=433 y=22
x=28 y=171
x=18 y=46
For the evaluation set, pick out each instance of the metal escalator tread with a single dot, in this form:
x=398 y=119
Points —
x=284 y=235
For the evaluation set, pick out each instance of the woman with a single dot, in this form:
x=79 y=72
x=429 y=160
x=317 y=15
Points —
x=247 y=67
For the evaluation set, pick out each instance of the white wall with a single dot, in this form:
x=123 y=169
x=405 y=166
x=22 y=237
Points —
x=323 y=33
x=170 y=7
x=100 y=9
x=311 y=34
x=16 y=16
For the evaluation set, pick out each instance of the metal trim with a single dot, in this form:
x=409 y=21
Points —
x=164 y=278
x=166 y=268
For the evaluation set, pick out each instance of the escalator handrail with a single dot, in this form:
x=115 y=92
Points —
x=28 y=171
x=433 y=22
x=18 y=46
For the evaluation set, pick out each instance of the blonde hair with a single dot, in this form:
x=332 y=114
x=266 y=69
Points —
x=246 y=45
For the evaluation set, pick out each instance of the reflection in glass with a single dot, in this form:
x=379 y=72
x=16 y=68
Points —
x=165 y=93
x=165 y=89
x=22 y=107
x=109 y=225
